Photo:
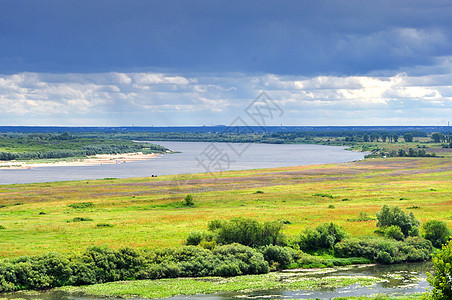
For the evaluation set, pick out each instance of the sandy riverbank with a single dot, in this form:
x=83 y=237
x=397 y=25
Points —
x=100 y=159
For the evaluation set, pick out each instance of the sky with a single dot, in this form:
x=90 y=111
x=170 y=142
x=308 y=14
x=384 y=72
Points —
x=182 y=63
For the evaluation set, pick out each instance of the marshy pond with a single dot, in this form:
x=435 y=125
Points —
x=401 y=279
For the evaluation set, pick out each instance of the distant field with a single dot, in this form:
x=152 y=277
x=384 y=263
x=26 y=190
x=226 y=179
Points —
x=148 y=212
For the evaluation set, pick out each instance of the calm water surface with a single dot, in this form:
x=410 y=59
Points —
x=194 y=157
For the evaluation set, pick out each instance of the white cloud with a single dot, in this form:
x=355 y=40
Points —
x=174 y=99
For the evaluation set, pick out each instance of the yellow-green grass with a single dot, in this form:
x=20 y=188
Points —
x=148 y=212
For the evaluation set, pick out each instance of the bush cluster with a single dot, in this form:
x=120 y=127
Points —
x=279 y=257
x=436 y=232
x=323 y=236
x=395 y=216
x=102 y=264
x=441 y=279
x=386 y=251
x=243 y=231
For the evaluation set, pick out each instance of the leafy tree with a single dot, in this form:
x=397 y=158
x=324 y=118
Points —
x=323 y=236
x=441 y=279
x=436 y=232
x=374 y=137
x=401 y=152
x=395 y=137
x=436 y=137
x=394 y=215
x=189 y=200
x=408 y=137
x=366 y=138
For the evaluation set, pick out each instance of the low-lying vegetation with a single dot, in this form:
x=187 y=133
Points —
x=101 y=264
x=81 y=205
x=229 y=248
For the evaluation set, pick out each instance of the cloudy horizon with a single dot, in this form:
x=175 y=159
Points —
x=149 y=63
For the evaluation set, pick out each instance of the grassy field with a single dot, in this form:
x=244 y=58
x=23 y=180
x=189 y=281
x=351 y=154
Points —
x=148 y=212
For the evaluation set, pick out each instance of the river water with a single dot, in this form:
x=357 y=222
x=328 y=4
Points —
x=194 y=157
x=402 y=279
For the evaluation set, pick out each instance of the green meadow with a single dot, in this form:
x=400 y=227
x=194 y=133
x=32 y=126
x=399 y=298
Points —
x=149 y=213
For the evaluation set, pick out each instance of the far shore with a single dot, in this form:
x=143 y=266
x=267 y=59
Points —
x=99 y=159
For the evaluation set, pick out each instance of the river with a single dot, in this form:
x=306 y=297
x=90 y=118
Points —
x=194 y=157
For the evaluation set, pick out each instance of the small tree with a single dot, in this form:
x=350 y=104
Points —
x=394 y=215
x=408 y=137
x=436 y=137
x=441 y=279
x=436 y=232
x=189 y=200
x=324 y=236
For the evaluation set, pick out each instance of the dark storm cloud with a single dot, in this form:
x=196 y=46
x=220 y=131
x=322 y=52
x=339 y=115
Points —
x=281 y=37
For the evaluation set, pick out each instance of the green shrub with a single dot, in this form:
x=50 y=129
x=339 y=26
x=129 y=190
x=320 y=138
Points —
x=6 y=286
x=441 y=279
x=324 y=236
x=169 y=270
x=81 y=219
x=228 y=269
x=309 y=261
x=105 y=264
x=188 y=200
x=101 y=225
x=82 y=273
x=203 y=239
x=436 y=232
x=411 y=250
x=248 y=232
x=81 y=205
x=249 y=260
x=102 y=264
x=384 y=257
x=194 y=238
x=39 y=272
x=2 y=227
x=216 y=224
x=323 y=195
x=282 y=256
x=394 y=232
x=394 y=215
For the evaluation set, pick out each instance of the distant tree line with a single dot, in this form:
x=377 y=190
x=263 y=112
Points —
x=83 y=151
x=403 y=153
